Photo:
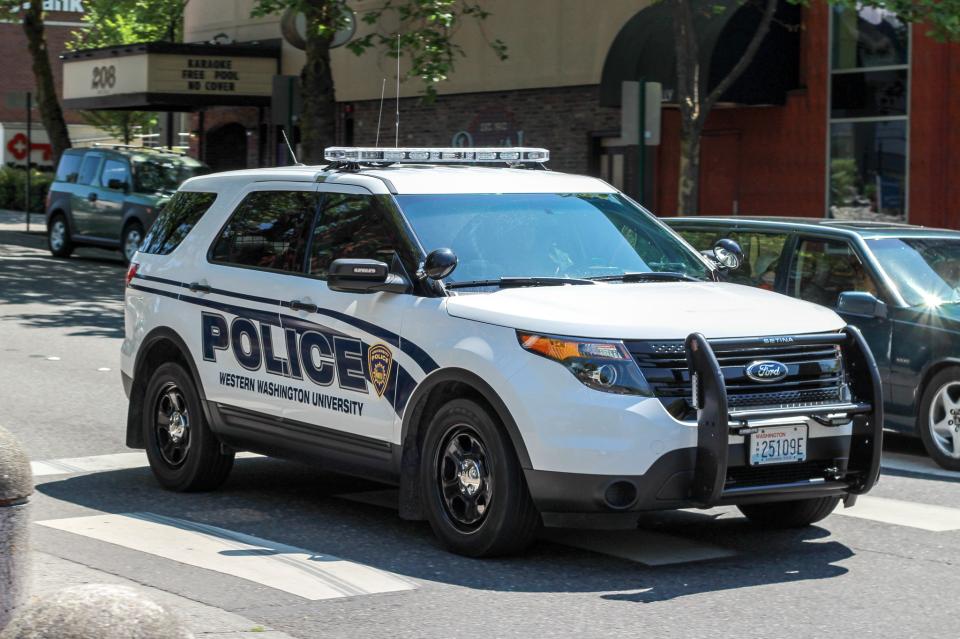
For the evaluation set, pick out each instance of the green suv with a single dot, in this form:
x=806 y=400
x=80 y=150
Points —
x=109 y=196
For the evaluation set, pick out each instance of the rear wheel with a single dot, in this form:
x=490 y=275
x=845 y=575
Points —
x=130 y=240
x=475 y=494
x=790 y=514
x=939 y=418
x=183 y=452
x=58 y=236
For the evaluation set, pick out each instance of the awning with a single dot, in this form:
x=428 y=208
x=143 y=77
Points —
x=162 y=76
x=644 y=48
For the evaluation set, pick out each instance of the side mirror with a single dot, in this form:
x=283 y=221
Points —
x=117 y=185
x=861 y=303
x=440 y=263
x=364 y=276
x=728 y=254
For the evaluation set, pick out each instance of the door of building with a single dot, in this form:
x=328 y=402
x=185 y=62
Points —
x=720 y=173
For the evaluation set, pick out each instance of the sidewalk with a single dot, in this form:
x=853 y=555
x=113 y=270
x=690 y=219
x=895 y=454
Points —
x=17 y=221
x=51 y=573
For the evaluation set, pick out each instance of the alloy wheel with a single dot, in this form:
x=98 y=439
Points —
x=131 y=243
x=172 y=425
x=58 y=235
x=463 y=474
x=944 y=419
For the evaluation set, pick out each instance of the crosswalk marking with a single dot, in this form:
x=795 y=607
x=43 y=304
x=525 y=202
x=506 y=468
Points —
x=904 y=513
x=294 y=570
x=98 y=463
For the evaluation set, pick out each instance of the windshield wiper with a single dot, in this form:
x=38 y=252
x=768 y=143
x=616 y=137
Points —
x=653 y=276
x=518 y=282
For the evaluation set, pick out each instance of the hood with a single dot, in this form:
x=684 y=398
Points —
x=655 y=310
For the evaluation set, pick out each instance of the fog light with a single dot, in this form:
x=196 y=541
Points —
x=620 y=494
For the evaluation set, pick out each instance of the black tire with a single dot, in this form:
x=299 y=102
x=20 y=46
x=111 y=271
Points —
x=940 y=442
x=193 y=461
x=59 y=240
x=790 y=514
x=130 y=240
x=508 y=519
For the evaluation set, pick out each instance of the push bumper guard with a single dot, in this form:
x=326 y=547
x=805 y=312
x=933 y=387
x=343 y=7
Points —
x=716 y=422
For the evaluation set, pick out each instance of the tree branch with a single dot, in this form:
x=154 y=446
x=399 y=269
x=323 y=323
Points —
x=748 y=55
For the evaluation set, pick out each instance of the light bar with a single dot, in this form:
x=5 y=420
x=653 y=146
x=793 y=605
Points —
x=435 y=155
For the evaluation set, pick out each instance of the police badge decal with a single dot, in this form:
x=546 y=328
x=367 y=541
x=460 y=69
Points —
x=379 y=363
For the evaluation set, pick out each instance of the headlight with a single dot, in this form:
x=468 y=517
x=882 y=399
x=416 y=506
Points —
x=604 y=365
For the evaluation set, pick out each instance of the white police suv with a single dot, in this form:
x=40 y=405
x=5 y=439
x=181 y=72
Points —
x=510 y=345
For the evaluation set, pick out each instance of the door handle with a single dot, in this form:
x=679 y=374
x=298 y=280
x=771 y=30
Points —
x=197 y=287
x=92 y=196
x=297 y=305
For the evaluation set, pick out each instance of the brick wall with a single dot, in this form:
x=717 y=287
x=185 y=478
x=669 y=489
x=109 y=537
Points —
x=17 y=67
x=560 y=119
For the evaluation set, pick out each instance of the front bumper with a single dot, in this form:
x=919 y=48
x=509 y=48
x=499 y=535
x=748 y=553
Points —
x=716 y=471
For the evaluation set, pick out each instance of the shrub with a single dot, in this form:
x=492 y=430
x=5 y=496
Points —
x=13 y=189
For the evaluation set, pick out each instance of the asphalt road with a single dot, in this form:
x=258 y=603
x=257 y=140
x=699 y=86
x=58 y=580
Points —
x=892 y=569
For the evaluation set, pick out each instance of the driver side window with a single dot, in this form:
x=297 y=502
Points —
x=822 y=269
x=350 y=226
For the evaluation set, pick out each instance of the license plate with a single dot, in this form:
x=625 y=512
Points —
x=778 y=445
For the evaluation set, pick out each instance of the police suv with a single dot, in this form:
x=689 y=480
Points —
x=512 y=346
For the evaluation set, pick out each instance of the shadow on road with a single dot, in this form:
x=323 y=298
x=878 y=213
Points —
x=298 y=506
x=83 y=294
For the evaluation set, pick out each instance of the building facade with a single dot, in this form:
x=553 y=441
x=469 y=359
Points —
x=843 y=114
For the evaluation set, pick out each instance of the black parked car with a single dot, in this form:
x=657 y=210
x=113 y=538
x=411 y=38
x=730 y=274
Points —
x=900 y=284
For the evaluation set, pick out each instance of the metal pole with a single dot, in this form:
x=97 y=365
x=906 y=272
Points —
x=26 y=203
x=16 y=486
x=642 y=143
x=169 y=127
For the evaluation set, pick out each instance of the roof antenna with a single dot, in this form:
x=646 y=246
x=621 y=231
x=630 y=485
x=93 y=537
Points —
x=290 y=148
x=383 y=88
x=396 y=141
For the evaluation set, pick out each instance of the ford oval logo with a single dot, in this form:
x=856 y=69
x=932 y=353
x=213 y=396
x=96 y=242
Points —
x=766 y=370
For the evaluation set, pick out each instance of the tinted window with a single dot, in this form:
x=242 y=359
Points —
x=822 y=269
x=69 y=167
x=88 y=170
x=114 y=170
x=351 y=226
x=761 y=253
x=176 y=219
x=268 y=230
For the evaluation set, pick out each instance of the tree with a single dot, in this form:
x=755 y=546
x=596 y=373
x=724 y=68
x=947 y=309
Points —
x=121 y=124
x=48 y=103
x=942 y=17
x=114 y=22
x=426 y=30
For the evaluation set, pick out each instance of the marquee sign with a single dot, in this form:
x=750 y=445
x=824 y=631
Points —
x=175 y=77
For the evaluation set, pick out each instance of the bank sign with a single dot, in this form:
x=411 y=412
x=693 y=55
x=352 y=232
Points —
x=164 y=73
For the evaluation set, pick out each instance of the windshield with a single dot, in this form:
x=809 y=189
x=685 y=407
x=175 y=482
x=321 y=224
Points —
x=926 y=271
x=547 y=235
x=163 y=173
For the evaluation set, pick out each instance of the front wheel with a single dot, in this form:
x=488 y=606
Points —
x=131 y=240
x=790 y=514
x=474 y=491
x=58 y=237
x=183 y=453
x=939 y=418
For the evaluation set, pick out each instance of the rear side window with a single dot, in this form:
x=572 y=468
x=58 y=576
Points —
x=176 y=219
x=69 y=167
x=268 y=230
x=88 y=169
x=116 y=171
x=761 y=252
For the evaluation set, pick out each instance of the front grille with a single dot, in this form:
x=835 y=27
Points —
x=814 y=375
x=748 y=476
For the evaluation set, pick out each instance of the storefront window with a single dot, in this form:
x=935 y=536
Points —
x=870 y=37
x=868 y=115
